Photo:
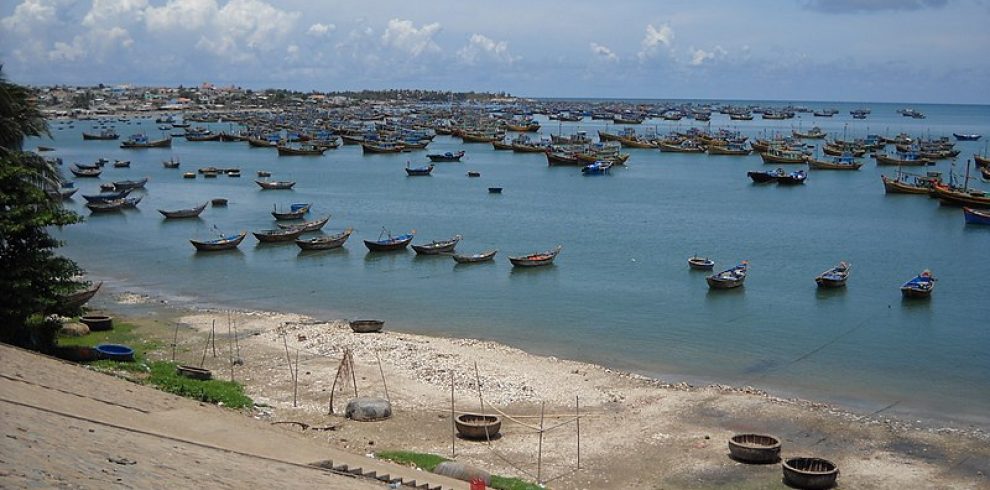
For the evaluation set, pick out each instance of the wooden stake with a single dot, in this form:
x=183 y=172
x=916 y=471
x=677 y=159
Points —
x=453 y=427
x=213 y=337
x=295 y=380
x=230 y=347
x=353 y=376
x=175 y=340
x=382 y=371
x=577 y=412
x=539 y=455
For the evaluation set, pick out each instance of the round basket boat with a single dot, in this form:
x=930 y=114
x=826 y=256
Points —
x=477 y=426
x=115 y=352
x=754 y=448
x=810 y=473
x=193 y=372
x=367 y=326
x=97 y=323
x=218 y=202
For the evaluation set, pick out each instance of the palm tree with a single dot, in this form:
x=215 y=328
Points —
x=21 y=118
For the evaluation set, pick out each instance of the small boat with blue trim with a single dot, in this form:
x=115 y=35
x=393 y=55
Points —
x=437 y=247
x=446 y=157
x=793 y=178
x=701 y=263
x=600 y=167
x=729 y=278
x=976 y=216
x=919 y=287
x=418 y=171
x=224 y=242
x=387 y=243
x=834 y=277
x=967 y=137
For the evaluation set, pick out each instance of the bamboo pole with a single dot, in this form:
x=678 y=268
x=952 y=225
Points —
x=175 y=340
x=295 y=380
x=353 y=376
x=382 y=372
x=539 y=454
x=577 y=414
x=213 y=337
x=453 y=426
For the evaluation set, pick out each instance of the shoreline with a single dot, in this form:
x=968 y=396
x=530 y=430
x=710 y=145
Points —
x=183 y=307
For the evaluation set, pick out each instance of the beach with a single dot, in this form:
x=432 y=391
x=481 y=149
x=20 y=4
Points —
x=636 y=432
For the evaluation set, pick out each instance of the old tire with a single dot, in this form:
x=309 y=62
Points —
x=463 y=472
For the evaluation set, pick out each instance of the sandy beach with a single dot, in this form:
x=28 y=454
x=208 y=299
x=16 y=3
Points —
x=635 y=432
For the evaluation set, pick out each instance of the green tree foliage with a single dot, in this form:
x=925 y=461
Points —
x=32 y=276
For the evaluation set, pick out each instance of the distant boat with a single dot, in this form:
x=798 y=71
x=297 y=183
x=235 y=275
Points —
x=389 y=243
x=919 y=287
x=903 y=184
x=107 y=196
x=474 y=174
x=967 y=137
x=597 y=168
x=130 y=184
x=701 y=263
x=314 y=225
x=305 y=150
x=494 y=190
x=844 y=162
x=106 y=134
x=419 y=171
x=729 y=278
x=225 y=242
x=474 y=258
x=536 y=259
x=275 y=184
x=834 y=277
x=183 y=213
x=296 y=211
x=446 y=157
x=142 y=141
x=778 y=155
x=815 y=133
x=171 y=163
x=380 y=147
x=766 y=176
x=437 y=246
x=121 y=164
x=85 y=172
x=278 y=235
x=976 y=216
x=324 y=242
x=793 y=178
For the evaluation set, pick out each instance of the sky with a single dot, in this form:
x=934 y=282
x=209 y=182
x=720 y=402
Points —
x=835 y=50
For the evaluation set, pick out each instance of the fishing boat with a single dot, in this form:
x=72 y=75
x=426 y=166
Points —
x=366 y=326
x=815 y=133
x=130 y=202
x=729 y=278
x=685 y=146
x=106 y=206
x=324 y=242
x=834 y=277
x=142 y=141
x=313 y=225
x=305 y=150
x=414 y=171
x=905 y=183
x=967 y=137
x=224 y=242
x=919 y=287
x=277 y=235
x=563 y=158
x=171 y=163
x=597 y=168
x=437 y=246
x=766 y=176
x=967 y=197
x=66 y=190
x=130 y=184
x=296 y=211
x=76 y=299
x=474 y=174
x=982 y=161
x=107 y=196
x=380 y=147
x=722 y=148
x=904 y=159
x=183 y=213
x=106 y=134
x=780 y=155
x=793 y=178
x=121 y=164
x=85 y=172
x=387 y=243
x=446 y=157
x=701 y=263
x=536 y=259
x=485 y=256
x=275 y=184
x=976 y=216
x=845 y=162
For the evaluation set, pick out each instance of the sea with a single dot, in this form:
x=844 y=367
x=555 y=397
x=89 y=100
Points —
x=620 y=293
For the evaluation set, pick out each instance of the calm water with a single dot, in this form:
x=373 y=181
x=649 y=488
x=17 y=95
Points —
x=620 y=293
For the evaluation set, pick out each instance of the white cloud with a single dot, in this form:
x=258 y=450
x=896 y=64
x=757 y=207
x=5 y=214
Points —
x=403 y=35
x=481 y=47
x=67 y=52
x=31 y=14
x=115 y=12
x=700 y=56
x=654 y=40
x=189 y=15
x=319 y=30
x=603 y=53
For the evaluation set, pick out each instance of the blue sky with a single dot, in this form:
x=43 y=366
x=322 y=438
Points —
x=848 y=50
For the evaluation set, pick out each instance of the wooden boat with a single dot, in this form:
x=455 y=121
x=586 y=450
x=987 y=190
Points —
x=473 y=258
x=730 y=149
x=224 y=242
x=296 y=211
x=478 y=427
x=754 y=448
x=686 y=146
x=121 y=164
x=437 y=246
x=976 y=216
x=778 y=155
x=766 y=176
x=85 y=172
x=130 y=184
x=810 y=473
x=380 y=147
x=324 y=242
x=278 y=235
x=390 y=243
x=985 y=172
x=66 y=192
x=834 y=277
x=206 y=136
x=474 y=174
x=523 y=127
x=597 y=168
x=314 y=225
x=494 y=190
x=171 y=163
x=501 y=145
x=189 y=175
x=961 y=197
x=233 y=172
x=981 y=161
x=183 y=213
x=131 y=202
x=729 y=278
x=701 y=263
x=106 y=134
x=793 y=178
x=106 y=196
x=919 y=287
x=563 y=158
x=275 y=184
x=306 y=150
x=76 y=299
x=446 y=157
x=106 y=206
x=141 y=141
x=418 y=171
x=264 y=173
x=536 y=259
x=470 y=137
x=366 y=326
x=903 y=160
x=218 y=202
x=844 y=162
x=815 y=133
x=966 y=137
x=902 y=185
x=254 y=142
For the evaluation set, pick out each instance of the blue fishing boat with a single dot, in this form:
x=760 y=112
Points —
x=600 y=167
x=834 y=277
x=919 y=287
x=793 y=178
x=107 y=196
x=386 y=242
x=976 y=216
x=967 y=137
x=729 y=278
x=414 y=171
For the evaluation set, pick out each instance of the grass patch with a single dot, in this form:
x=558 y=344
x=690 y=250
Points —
x=159 y=374
x=429 y=462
